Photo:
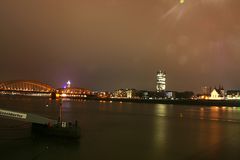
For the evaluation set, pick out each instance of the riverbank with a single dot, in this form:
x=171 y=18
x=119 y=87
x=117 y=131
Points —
x=227 y=103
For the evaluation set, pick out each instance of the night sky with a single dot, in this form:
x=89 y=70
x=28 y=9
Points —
x=110 y=44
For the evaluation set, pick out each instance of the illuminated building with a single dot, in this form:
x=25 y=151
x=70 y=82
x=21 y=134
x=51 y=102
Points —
x=131 y=93
x=125 y=93
x=68 y=91
x=74 y=92
x=120 y=93
x=233 y=94
x=206 y=93
x=161 y=81
x=217 y=94
x=68 y=84
x=170 y=94
x=103 y=94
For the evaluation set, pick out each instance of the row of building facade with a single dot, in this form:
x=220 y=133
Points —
x=160 y=92
x=35 y=88
x=218 y=94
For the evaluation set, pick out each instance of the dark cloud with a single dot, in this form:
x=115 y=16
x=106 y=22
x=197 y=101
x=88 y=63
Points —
x=121 y=43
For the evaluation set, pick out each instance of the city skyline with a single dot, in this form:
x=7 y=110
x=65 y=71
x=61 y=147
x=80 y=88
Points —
x=160 y=83
x=121 y=44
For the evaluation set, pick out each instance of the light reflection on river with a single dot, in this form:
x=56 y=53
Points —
x=113 y=130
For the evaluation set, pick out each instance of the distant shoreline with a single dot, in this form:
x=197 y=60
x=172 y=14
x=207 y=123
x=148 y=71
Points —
x=225 y=103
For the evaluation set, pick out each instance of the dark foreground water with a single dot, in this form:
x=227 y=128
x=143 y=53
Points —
x=124 y=131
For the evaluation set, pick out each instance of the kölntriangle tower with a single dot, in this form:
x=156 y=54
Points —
x=161 y=81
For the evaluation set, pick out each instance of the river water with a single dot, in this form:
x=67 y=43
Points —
x=123 y=131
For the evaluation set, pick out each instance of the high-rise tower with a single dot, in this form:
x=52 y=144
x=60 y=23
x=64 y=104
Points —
x=68 y=84
x=161 y=81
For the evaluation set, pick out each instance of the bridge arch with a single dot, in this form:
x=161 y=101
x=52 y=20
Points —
x=26 y=85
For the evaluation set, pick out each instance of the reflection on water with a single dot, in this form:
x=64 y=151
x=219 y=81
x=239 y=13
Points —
x=160 y=110
x=213 y=132
x=160 y=130
x=214 y=113
x=203 y=130
x=113 y=130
